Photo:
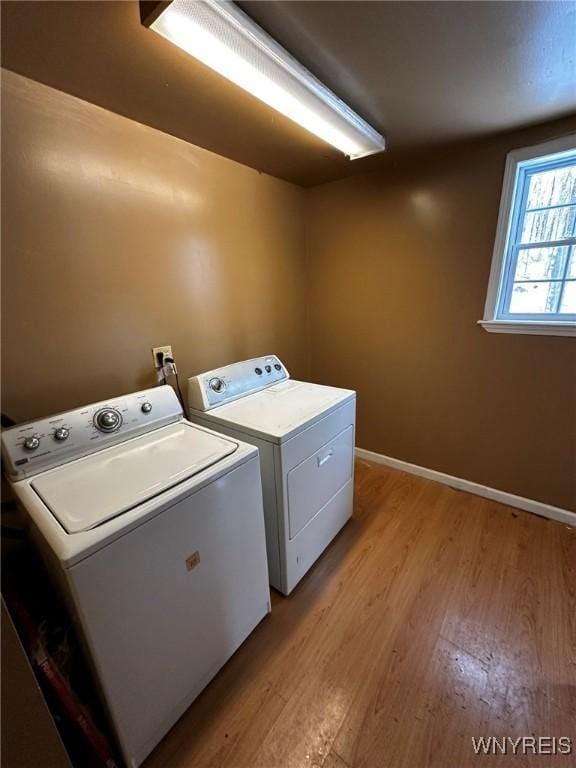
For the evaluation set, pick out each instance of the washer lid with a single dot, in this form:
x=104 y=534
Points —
x=280 y=411
x=85 y=493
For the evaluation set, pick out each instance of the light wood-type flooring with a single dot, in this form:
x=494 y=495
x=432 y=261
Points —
x=433 y=617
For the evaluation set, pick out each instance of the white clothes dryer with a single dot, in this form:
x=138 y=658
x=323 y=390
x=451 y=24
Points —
x=305 y=435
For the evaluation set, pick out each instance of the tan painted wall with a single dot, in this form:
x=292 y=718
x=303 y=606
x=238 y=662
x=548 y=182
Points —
x=117 y=238
x=398 y=271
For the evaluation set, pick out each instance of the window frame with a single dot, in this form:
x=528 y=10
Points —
x=519 y=164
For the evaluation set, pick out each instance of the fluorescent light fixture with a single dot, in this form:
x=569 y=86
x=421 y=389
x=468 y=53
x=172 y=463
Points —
x=224 y=38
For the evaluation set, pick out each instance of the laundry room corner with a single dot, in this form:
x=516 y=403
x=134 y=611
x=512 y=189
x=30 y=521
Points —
x=288 y=423
x=397 y=266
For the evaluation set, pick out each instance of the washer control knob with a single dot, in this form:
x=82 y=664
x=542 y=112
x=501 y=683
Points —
x=278 y=366
x=108 y=420
x=61 y=434
x=268 y=368
x=31 y=443
x=146 y=407
x=258 y=371
x=217 y=385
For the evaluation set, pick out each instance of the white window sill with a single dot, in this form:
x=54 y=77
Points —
x=536 y=328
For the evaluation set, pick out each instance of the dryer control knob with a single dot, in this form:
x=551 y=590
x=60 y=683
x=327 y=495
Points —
x=146 y=407
x=31 y=443
x=61 y=434
x=217 y=385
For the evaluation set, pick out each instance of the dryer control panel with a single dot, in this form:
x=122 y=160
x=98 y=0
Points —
x=222 y=385
x=39 y=445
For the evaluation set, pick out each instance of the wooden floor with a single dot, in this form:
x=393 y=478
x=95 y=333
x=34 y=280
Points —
x=433 y=617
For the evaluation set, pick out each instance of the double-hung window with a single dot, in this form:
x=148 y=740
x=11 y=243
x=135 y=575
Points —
x=532 y=285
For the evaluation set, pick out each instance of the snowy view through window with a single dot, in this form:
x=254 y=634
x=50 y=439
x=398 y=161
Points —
x=543 y=246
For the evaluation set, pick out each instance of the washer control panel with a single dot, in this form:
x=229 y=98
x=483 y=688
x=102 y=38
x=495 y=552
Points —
x=38 y=445
x=213 y=388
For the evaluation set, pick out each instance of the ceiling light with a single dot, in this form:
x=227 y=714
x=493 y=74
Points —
x=224 y=38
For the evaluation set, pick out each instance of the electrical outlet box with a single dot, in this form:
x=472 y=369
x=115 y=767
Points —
x=159 y=353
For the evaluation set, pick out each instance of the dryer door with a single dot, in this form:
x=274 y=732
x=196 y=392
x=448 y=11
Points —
x=313 y=482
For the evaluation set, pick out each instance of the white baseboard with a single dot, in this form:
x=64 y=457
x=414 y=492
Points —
x=528 y=505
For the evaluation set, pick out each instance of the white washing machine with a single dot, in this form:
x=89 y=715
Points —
x=305 y=435
x=154 y=530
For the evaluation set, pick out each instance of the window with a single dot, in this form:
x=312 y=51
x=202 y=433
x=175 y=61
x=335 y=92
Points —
x=532 y=285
